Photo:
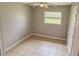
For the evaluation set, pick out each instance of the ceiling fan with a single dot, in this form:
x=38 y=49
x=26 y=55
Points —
x=42 y=4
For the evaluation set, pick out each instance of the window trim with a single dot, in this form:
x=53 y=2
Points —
x=52 y=22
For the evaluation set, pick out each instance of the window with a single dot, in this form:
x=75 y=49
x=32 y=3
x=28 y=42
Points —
x=52 y=17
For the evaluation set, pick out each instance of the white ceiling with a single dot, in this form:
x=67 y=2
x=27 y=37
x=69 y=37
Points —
x=55 y=3
x=61 y=3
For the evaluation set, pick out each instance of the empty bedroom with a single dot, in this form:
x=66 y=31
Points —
x=39 y=28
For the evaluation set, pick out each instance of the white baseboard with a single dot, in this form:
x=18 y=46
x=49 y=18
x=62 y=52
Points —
x=17 y=42
x=68 y=51
x=31 y=35
x=48 y=36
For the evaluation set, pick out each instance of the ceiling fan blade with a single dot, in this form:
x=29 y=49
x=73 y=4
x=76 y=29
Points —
x=34 y=4
x=41 y=4
x=46 y=6
x=51 y=4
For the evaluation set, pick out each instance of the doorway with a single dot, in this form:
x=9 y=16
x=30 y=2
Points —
x=72 y=27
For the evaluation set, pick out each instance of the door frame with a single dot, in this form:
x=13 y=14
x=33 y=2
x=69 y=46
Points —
x=75 y=42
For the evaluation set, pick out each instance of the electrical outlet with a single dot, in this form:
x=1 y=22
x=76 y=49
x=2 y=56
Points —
x=48 y=32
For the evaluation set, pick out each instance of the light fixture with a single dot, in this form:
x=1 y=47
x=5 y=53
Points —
x=41 y=5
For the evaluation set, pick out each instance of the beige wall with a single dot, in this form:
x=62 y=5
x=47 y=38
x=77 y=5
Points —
x=16 y=22
x=39 y=27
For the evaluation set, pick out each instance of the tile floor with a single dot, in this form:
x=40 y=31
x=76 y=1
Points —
x=39 y=46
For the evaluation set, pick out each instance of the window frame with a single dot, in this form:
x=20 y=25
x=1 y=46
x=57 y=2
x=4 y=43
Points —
x=53 y=12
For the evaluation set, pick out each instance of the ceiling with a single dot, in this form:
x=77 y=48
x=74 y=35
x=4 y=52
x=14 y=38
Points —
x=57 y=3
x=61 y=3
